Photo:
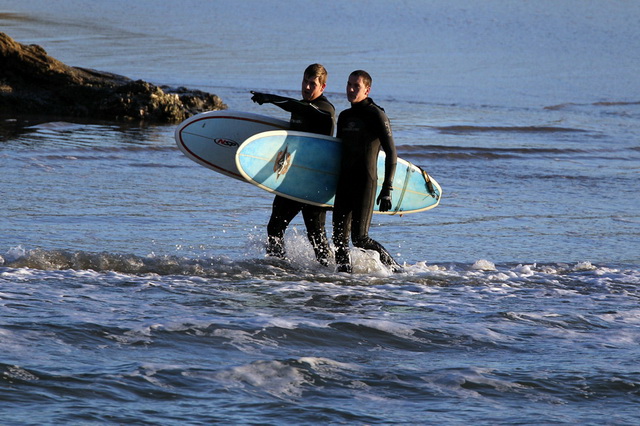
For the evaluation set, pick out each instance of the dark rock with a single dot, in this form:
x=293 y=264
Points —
x=32 y=82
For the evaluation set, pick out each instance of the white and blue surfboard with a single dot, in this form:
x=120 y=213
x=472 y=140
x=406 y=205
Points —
x=305 y=166
x=212 y=138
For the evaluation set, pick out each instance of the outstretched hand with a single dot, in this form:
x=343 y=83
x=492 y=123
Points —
x=260 y=98
x=384 y=199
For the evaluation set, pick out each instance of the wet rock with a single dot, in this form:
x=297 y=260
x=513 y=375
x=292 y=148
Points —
x=32 y=82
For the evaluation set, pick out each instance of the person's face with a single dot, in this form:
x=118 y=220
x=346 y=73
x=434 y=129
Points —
x=356 y=89
x=311 y=88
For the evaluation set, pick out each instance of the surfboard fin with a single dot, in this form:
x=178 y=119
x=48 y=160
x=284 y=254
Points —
x=428 y=183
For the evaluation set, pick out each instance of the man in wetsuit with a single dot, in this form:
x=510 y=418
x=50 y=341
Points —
x=315 y=114
x=364 y=129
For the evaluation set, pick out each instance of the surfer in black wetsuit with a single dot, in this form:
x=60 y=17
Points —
x=364 y=129
x=315 y=114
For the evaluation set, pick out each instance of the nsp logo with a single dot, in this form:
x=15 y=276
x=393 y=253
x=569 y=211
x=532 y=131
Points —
x=226 y=142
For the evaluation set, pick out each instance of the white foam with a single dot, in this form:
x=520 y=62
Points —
x=273 y=377
x=584 y=266
x=326 y=364
x=14 y=254
x=368 y=262
x=239 y=339
x=484 y=265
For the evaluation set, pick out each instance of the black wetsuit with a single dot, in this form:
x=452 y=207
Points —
x=364 y=129
x=317 y=116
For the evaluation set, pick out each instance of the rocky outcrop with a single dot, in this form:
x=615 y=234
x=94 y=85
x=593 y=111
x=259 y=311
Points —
x=32 y=82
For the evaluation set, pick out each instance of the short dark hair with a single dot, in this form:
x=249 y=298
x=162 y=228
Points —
x=366 y=78
x=316 y=70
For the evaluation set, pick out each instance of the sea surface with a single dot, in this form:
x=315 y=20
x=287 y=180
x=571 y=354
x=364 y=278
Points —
x=134 y=286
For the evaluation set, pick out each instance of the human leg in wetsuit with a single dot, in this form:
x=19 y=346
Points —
x=283 y=212
x=314 y=220
x=352 y=216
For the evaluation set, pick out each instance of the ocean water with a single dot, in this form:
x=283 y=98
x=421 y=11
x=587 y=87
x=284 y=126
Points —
x=134 y=287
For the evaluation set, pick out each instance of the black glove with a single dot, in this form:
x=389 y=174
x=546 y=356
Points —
x=384 y=199
x=261 y=98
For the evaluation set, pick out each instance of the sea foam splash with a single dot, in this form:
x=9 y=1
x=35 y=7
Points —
x=20 y=262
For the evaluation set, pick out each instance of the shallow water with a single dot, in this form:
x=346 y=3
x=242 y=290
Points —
x=133 y=282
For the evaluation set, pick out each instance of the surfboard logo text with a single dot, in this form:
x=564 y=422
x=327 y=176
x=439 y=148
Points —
x=226 y=142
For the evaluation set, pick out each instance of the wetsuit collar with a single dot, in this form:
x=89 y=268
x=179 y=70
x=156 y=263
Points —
x=319 y=98
x=363 y=103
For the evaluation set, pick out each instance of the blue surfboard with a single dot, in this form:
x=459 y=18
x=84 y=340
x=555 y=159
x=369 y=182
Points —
x=305 y=166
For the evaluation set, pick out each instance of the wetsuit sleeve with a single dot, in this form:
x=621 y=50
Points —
x=317 y=116
x=389 y=147
x=300 y=107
